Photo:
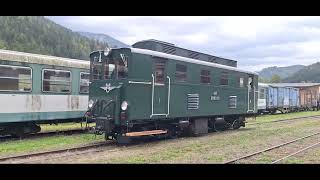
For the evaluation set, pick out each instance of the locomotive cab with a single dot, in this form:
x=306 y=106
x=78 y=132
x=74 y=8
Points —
x=108 y=73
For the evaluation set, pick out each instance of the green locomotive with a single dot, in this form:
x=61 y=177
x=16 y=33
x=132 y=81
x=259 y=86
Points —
x=146 y=91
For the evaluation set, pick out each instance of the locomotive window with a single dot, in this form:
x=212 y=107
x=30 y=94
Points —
x=97 y=68
x=181 y=73
x=241 y=82
x=109 y=69
x=123 y=66
x=250 y=84
x=57 y=81
x=224 y=78
x=84 y=82
x=159 y=70
x=205 y=76
x=14 y=78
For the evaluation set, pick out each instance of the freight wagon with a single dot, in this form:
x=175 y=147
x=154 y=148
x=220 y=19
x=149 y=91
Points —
x=288 y=97
x=308 y=94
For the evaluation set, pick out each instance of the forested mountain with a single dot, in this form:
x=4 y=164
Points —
x=309 y=73
x=113 y=43
x=283 y=72
x=37 y=34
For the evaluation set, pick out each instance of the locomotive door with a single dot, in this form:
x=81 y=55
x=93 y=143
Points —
x=251 y=94
x=160 y=88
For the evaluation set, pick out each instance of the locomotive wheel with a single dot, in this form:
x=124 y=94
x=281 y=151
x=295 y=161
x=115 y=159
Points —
x=217 y=127
x=236 y=124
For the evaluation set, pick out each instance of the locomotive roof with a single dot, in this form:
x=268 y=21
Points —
x=42 y=59
x=169 y=48
x=185 y=59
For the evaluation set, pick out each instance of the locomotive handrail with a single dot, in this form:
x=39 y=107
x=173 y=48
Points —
x=152 y=95
x=168 y=96
x=138 y=82
x=152 y=101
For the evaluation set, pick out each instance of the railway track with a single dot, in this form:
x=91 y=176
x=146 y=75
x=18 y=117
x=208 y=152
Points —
x=44 y=134
x=80 y=149
x=283 y=120
x=276 y=147
x=52 y=152
x=79 y=131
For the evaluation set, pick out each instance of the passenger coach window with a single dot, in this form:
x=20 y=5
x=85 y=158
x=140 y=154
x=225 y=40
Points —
x=262 y=94
x=224 y=78
x=57 y=81
x=14 y=78
x=205 y=76
x=84 y=82
x=181 y=73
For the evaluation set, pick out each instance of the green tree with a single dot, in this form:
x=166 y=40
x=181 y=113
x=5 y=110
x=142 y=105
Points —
x=263 y=80
x=36 y=34
x=275 y=78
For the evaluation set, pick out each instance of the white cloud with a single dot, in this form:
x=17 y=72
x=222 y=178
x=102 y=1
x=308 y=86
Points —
x=196 y=38
x=256 y=42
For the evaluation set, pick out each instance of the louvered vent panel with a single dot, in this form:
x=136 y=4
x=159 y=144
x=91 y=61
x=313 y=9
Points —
x=193 y=101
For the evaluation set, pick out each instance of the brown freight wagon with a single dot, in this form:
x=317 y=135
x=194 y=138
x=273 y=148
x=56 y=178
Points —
x=309 y=94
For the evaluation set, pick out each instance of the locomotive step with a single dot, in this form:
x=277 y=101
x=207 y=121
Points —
x=146 y=133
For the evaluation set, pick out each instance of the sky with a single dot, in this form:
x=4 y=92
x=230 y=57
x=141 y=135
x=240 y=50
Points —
x=255 y=42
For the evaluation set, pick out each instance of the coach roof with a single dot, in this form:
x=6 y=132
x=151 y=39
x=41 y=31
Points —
x=43 y=59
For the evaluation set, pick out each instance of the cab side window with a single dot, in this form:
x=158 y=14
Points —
x=159 y=70
x=205 y=76
x=181 y=73
x=224 y=78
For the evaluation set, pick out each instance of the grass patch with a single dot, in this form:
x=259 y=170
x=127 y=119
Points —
x=46 y=143
x=266 y=118
x=63 y=126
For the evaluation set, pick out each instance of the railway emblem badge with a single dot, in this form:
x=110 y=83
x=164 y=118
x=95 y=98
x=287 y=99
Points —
x=109 y=88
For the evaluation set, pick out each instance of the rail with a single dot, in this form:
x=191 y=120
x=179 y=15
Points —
x=269 y=149
x=72 y=149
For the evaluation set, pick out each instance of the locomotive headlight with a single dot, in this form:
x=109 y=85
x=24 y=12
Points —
x=90 y=103
x=124 y=105
x=107 y=51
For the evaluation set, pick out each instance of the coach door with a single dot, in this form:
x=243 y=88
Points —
x=160 y=88
x=251 y=94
